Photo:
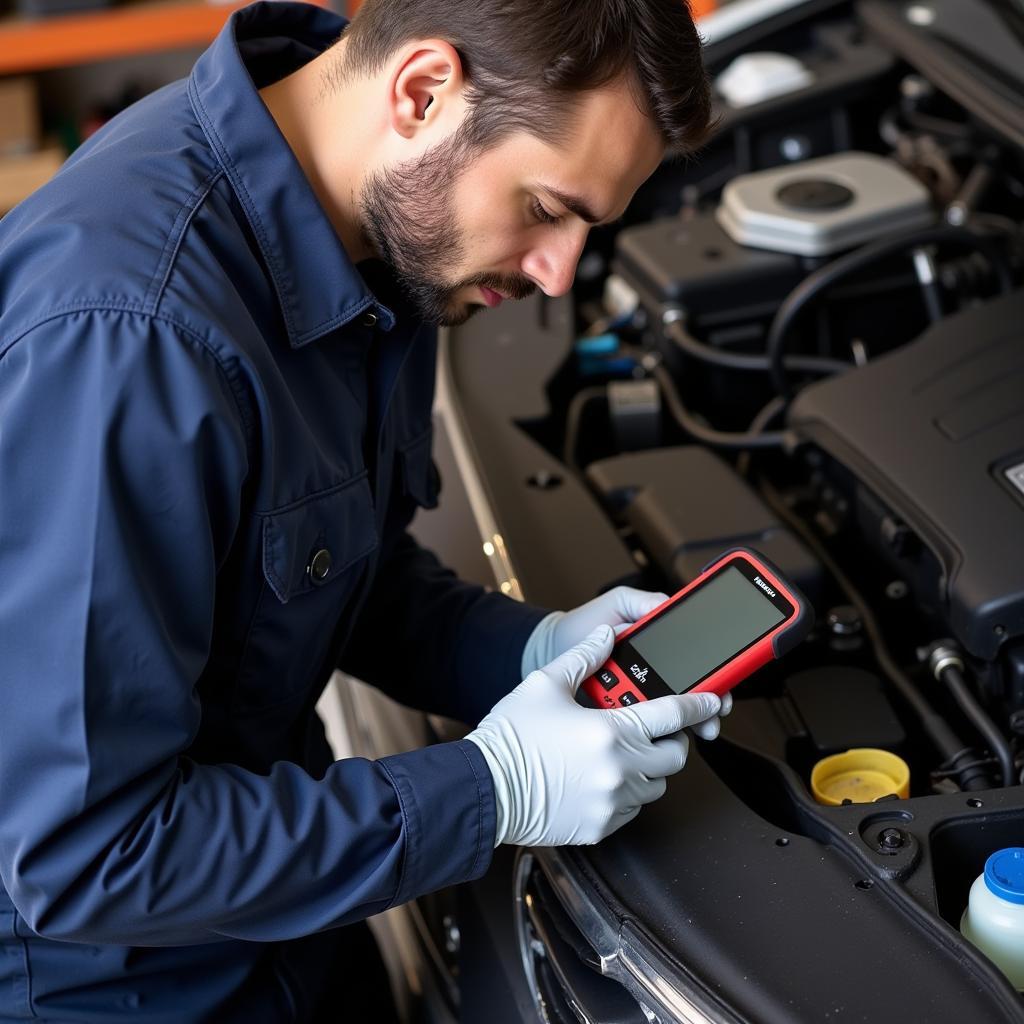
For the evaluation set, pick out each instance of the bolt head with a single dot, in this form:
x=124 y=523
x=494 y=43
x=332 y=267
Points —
x=891 y=838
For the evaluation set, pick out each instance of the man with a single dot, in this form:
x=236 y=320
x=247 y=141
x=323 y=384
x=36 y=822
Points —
x=216 y=373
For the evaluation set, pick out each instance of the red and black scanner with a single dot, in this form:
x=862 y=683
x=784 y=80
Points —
x=737 y=615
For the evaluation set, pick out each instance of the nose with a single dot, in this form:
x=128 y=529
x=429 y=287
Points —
x=552 y=262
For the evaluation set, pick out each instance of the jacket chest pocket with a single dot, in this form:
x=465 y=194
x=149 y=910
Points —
x=313 y=555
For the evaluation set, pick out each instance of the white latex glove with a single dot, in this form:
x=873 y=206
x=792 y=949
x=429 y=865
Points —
x=620 y=608
x=565 y=774
x=710 y=729
x=559 y=631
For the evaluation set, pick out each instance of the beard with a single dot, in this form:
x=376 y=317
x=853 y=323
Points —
x=408 y=217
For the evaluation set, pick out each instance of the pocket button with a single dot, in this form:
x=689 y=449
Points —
x=319 y=567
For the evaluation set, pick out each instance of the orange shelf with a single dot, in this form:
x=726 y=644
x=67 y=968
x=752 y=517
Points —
x=63 y=40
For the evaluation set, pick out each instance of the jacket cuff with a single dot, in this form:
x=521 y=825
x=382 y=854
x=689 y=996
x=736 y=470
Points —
x=448 y=816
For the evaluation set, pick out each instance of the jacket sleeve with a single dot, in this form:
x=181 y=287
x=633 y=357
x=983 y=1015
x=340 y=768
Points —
x=437 y=643
x=123 y=453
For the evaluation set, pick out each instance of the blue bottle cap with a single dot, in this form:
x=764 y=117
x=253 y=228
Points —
x=1004 y=874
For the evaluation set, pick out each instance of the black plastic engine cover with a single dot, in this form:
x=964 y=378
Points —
x=695 y=265
x=931 y=434
x=687 y=506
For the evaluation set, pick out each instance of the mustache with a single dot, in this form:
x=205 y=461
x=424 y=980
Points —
x=515 y=286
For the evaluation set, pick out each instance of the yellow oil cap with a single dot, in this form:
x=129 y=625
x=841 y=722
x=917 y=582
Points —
x=861 y=775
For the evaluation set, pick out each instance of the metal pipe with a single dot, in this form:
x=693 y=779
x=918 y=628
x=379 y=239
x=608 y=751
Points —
x=947 y=666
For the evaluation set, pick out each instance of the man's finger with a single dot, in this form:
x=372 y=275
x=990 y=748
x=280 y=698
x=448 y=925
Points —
x=666 y=715
x=710 y=729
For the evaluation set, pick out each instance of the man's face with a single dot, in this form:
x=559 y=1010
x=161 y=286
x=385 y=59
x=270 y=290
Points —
x=465 y=231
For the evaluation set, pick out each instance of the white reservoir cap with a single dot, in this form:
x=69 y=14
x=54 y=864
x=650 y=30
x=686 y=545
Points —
x=822 y=206
x=756 y=77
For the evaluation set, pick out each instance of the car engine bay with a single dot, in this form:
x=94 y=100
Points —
x=829 y=350
x=808 y=340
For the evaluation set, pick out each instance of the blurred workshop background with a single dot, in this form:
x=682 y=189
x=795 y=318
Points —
x=67 y=66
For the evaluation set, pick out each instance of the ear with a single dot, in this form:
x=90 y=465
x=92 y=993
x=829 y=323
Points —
x=425 y=87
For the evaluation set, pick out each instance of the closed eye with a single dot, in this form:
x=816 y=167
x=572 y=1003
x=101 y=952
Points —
x=541 y=214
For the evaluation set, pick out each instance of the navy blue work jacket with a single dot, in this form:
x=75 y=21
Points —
x=214 y=431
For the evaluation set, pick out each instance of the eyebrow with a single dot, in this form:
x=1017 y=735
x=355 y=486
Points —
x=573 y=204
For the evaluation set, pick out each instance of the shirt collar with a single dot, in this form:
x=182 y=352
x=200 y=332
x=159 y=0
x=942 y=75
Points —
x=318 y=287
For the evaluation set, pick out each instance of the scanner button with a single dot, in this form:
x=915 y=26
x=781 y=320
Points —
x=628 y=697
x=607 y=679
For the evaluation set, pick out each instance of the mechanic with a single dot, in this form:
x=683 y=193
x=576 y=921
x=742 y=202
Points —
x=217 y=355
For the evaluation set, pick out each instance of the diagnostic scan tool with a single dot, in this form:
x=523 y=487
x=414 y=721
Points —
x=736 y=616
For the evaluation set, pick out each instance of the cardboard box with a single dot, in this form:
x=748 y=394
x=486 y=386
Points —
x=19 y=116
x=22 y=175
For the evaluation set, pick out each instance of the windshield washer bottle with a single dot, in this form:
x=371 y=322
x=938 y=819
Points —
x=994 y=918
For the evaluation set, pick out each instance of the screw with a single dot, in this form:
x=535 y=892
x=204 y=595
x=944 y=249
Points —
x=890 y=838
x=896 y=590
x=843 y=620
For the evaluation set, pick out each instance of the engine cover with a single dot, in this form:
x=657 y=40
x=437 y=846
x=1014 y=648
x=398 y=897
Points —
x=931 y=440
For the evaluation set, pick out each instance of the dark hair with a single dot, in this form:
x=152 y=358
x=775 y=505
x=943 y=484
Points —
x=527 y=61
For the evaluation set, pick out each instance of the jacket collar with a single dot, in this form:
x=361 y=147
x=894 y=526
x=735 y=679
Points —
x=317 y=285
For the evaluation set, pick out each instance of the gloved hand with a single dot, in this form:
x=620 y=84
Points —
x=559 y=631
x=568 y=774
x=620 y=608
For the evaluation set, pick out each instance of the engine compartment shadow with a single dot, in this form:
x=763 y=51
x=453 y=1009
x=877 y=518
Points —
x=768 y=787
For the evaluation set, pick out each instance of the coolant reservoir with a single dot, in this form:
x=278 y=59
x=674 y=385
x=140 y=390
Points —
x=994 y=918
